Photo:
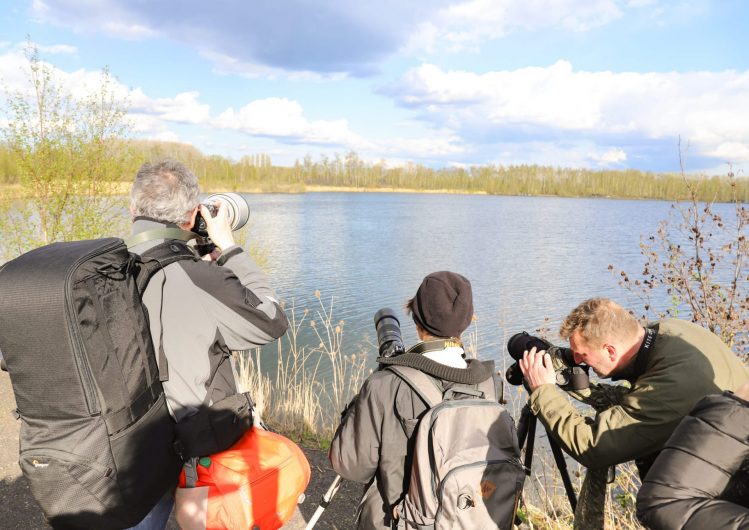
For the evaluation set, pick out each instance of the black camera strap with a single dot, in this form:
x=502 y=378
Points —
x=643 y=354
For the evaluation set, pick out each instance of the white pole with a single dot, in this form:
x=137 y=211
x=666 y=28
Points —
x=332 y=490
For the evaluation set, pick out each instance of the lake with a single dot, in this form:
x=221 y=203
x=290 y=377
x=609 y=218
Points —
x=528 y=258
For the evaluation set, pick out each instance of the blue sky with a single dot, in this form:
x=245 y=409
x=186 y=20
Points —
x=570 y=83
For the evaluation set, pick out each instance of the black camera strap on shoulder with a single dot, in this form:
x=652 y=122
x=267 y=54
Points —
x=643 y=354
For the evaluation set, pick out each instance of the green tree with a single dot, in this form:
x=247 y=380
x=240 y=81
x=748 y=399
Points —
x=69 y=157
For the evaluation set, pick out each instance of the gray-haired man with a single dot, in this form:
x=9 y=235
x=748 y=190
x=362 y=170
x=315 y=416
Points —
x=200 y=309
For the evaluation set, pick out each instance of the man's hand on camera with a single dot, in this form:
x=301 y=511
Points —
x=219 y=229
x=537 y=368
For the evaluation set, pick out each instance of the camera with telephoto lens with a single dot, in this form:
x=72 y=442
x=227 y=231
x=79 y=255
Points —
x=237 y=208
x=389 y=339
x=569 y=374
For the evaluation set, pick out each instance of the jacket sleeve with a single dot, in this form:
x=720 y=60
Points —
x=236 y=293
x=354 y=451
x=681 y=490
x=639 y=425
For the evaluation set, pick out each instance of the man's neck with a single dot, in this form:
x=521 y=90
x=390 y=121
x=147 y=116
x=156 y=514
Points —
x=630 y=354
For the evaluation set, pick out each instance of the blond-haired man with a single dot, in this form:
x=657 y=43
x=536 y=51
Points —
x=670 y=365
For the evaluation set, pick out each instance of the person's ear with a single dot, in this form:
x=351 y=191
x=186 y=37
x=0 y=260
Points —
x=189 y=224
x=610 y=351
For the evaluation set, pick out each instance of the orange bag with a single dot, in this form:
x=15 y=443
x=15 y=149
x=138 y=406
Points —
x=255 y=484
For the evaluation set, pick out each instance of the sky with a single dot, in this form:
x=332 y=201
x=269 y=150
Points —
x=601 y=84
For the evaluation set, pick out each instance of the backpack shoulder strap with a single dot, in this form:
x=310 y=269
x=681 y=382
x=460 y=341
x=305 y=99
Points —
x=156 y=258
x=153 y=260
x=489 y=389
x=424 y=386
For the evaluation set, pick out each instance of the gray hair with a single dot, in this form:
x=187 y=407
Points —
x=166 y=191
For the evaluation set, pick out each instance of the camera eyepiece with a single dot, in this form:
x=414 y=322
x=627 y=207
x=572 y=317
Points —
x=389 y=339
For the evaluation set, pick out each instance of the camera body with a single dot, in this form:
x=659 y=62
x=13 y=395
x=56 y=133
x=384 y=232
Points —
x=237 y=209
x=569 y=375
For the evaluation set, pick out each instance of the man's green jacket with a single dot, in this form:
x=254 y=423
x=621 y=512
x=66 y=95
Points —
x=685 y=363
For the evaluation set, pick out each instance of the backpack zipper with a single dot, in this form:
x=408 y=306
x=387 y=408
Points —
x=84 y=368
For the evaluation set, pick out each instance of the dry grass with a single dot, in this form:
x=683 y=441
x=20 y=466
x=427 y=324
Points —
x=297 y=399
x=545 y=505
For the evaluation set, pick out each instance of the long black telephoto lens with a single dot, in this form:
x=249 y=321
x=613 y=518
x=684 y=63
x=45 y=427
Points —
x=389 y=338
x=520 y=342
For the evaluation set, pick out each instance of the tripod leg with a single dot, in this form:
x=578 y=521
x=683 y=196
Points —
x=562 y=466
x=527 y=435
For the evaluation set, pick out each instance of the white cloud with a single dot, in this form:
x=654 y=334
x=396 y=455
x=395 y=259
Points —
x=336 y=37
x=641 y=3
x=707 y=108
x=436 y=146
x=13 y=71
x=153 y=118
x=182 y=108
x=575 y=154
x=736 y=151
x=612 y=156
x=465 y=25
x=93 y=15
x=284 y=118
x=151 y=128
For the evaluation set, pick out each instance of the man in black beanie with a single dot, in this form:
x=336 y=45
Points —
x=378 y=428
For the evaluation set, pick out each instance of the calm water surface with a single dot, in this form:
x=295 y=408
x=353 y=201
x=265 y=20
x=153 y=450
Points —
x=528 y=258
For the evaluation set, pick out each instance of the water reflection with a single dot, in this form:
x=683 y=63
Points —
x=528 y=258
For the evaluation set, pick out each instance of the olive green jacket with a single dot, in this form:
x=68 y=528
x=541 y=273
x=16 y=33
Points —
x=685 y=363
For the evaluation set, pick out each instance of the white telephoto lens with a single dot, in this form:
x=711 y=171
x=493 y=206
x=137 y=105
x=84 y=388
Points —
x=238 y=209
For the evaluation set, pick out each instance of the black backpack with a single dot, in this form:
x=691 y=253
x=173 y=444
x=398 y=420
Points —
x=97 y=443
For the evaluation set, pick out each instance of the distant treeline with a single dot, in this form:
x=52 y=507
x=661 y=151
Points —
x=256 y=173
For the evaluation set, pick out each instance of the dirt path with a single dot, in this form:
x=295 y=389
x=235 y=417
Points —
x=19 y=510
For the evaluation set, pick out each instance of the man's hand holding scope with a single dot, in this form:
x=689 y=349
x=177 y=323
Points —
x=537 y=368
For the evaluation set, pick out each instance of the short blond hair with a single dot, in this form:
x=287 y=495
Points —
x=599 y=320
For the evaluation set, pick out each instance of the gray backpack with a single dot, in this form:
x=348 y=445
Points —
x=466 y=471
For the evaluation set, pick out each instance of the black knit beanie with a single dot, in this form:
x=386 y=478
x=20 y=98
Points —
x=443 y=305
